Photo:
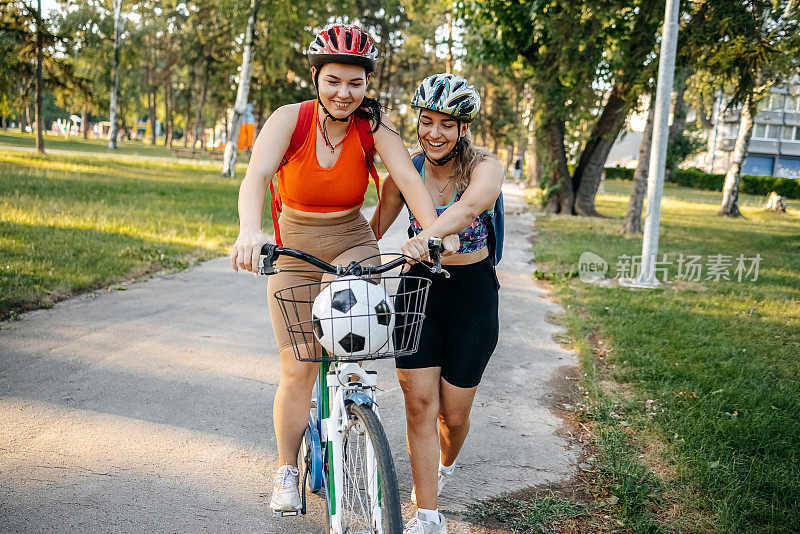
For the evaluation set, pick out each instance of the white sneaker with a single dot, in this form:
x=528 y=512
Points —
x=285 y=493
x=418 y=526
x=443 y=477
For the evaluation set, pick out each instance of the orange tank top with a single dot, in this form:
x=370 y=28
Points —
x=305 y=185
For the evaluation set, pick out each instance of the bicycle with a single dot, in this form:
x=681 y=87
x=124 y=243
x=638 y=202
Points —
x=344 y=451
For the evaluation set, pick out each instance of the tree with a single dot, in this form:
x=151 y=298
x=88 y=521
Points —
x=207 y=39
x=86 y=30
x=570 y=50
x=39 y=120
x=557 y=48
x=112 y=138
x=679 y=145
x=633 y=216
x=18 y=46
x=631 y=43
x=775 y=38
x=232 y=142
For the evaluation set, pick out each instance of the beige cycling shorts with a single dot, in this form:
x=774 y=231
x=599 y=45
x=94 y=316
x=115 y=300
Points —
x=337 y=241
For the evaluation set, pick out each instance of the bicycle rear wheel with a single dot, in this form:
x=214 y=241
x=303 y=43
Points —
x=370 y=500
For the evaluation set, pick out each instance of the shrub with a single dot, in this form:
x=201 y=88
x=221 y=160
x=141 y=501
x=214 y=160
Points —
x=619 y=173
x=698 y=179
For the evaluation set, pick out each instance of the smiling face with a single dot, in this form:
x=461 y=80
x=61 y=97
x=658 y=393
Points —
x=438 y=133
x=341 y=87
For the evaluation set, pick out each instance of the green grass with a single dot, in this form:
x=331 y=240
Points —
x=677 y=192
x=535 y=515
x=72 y=223
x=97 y=146
x=700 y=378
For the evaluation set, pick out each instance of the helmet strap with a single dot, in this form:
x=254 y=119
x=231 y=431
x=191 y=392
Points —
x=325 y=121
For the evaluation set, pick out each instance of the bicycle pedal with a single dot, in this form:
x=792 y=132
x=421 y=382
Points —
x=285 y=513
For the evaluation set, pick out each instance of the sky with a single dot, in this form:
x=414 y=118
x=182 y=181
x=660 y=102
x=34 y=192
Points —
x=48 y=5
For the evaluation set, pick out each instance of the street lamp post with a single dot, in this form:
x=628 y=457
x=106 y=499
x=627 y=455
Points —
x=658 y=149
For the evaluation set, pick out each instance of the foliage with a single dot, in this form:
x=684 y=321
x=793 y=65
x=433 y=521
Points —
x=683 y=146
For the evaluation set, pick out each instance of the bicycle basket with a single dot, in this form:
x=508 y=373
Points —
x=354 y=319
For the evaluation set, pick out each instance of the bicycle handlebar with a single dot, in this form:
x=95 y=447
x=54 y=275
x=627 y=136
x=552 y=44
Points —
x=271 y=253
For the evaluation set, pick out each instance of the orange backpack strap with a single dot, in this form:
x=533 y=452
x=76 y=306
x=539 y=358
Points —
x=368 y=146
x=304 y=118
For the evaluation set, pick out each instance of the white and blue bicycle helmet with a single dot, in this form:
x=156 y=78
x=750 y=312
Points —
x=449 y=94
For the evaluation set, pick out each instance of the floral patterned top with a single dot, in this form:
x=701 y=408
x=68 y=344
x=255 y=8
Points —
x=473 y=237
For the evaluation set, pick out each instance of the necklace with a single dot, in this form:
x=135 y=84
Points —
x=436 y=185
x=324 y=133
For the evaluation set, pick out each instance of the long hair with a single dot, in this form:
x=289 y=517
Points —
x=370 y=109
x=465 y=162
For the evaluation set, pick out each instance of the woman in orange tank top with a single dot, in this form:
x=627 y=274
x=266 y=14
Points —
x=322 y=188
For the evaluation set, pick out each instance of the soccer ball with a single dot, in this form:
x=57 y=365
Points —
x=352 y=317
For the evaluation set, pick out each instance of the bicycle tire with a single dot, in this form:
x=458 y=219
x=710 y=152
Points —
x=354 y=514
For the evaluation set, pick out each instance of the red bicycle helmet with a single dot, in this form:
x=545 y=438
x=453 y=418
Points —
x=342 y=43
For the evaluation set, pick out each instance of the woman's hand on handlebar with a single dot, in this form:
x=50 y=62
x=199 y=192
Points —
x=451 y=243
x=247 y=249
x=416 y=248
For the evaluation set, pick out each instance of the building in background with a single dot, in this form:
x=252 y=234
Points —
x=625 y=151
x=775 y=146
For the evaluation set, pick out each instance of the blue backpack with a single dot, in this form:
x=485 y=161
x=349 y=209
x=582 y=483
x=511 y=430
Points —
x=493 y=219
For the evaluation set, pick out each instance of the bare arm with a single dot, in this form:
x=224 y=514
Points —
x=268 y=150
x=484 y=188
x=390 y=207
x=394 y=154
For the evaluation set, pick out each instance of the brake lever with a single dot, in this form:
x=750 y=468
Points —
x=267 y=266
x=435 y=252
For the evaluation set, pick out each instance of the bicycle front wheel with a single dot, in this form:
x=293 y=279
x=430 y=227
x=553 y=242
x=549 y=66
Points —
x=370 y=500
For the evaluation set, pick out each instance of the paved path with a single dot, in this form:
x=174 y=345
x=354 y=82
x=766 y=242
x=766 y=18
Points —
x=149 y=409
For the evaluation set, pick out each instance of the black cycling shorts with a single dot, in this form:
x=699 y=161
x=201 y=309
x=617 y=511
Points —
x=460 y=330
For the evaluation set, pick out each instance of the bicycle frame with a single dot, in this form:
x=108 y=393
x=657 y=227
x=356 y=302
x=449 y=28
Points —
x=331 y=422
x=338 y=385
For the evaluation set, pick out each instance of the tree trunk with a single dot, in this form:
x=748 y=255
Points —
x=201 y=100
x=730 y=191
x=679 y=113
x=240 y=107
x=510 y=157
x=112 y=135
x=586 y=178
x=168 y=126
x=39 y=118
x=84 y=126
x=151 y=105
x=22 y=113
x=534 y=168
x=561 y=196
x=633 y=218
x=448 y=60
x=259 y=116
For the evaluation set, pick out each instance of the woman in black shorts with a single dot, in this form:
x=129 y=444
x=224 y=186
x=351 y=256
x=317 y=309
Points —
x=461 y=327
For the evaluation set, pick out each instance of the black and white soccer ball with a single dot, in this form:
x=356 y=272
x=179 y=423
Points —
x=353 y=317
